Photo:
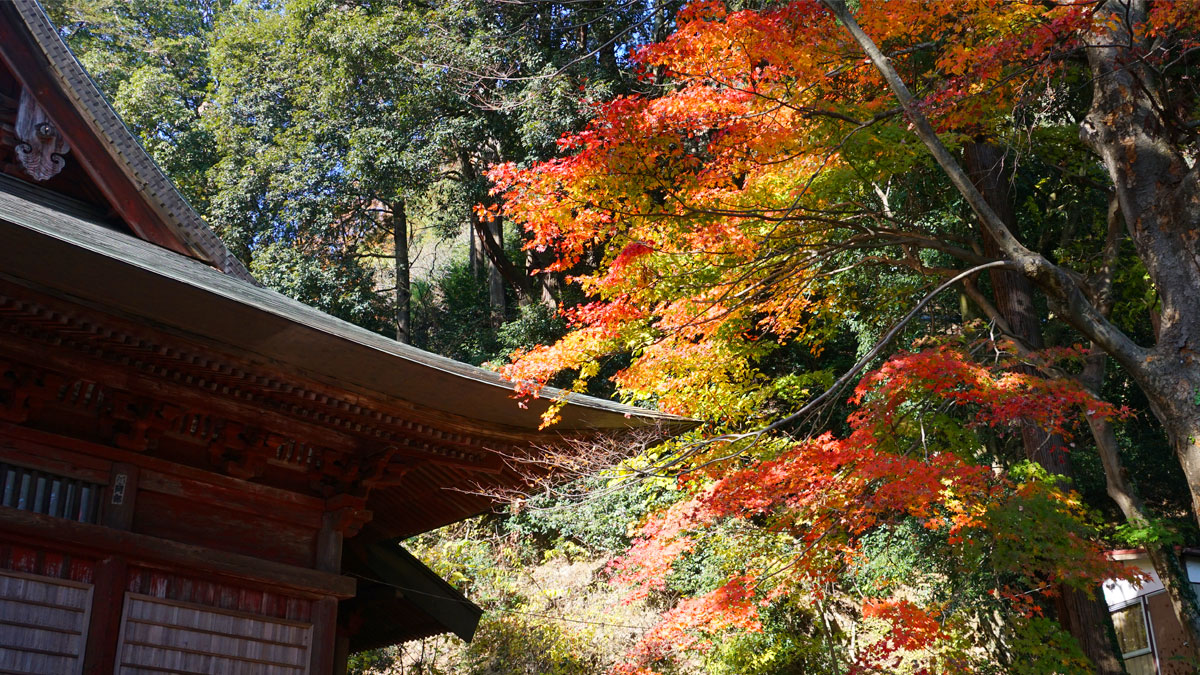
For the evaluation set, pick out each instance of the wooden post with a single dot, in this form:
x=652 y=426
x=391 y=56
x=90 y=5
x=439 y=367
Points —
x=324 y=618
x=104 y=624
x=329 y=654
x=341 y=654
x=108 y=593
x=329 y=543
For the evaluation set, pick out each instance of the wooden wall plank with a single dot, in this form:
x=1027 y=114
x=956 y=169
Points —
x=16 y=661
x=47 y=457
x=218 y=527
x=249 y=601
x=165 y=636
x=42 y=623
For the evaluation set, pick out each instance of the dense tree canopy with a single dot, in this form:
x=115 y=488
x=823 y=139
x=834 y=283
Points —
x=311 y=133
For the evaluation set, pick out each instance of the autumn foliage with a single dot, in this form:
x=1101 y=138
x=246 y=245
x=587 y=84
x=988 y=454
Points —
x=727 y=213
x=723 y=205
x=906 y=459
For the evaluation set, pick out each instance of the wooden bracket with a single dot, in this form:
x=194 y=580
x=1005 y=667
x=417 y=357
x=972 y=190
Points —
x=238 y=451
x=40 y=146
x=15 y=393
x=356 y=476
x=23 y=391
x=141 y=422
x=347 y=514
x=374 y=467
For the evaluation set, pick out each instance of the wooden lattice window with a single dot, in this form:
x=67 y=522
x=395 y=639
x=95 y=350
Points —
x=49 y=494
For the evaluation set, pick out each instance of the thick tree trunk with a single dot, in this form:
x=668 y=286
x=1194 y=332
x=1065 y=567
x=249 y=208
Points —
x=495 y=279
x=1082 y=614
x=606 y=43
x=491 y=242
x=550 y=282
x=1159 y=195
x=403 y=273
x=1013 y=291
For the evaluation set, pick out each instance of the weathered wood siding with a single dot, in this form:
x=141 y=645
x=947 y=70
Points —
x=164 y=636
x=217 y=595
x=45 y=563
x=42 y=624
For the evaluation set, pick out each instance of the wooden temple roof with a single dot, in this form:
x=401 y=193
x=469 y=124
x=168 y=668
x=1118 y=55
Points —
x=85 y=257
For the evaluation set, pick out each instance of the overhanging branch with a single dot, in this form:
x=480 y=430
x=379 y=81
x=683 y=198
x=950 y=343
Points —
x=1057 y=283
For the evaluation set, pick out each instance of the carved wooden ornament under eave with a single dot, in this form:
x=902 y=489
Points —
x=40 y=146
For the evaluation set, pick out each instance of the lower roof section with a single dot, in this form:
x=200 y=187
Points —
x=400 y=599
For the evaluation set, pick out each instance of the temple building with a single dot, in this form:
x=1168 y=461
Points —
x=197 y=474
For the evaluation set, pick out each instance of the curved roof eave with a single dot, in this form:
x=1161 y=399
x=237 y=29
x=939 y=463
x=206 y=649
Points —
x=80 y=258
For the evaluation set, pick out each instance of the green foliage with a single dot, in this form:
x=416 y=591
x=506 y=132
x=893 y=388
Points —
x=514 y=645
x=534 y=324
x=452 y=316
x=548 y=606
x=1042 y=647
x=791 y=642
x=372 y=661
x=343 y=290
x=1158 y=532
x=600 y=521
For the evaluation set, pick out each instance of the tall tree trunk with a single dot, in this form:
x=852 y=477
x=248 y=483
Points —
x=1083 y=614
x=1159 y=194
x=403 y=273
x=495 y=279
x=550 y=282
x=1013 y=291
x=607 y=44
x=491 y=242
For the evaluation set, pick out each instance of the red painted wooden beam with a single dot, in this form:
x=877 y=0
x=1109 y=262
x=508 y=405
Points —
x=99 y=541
